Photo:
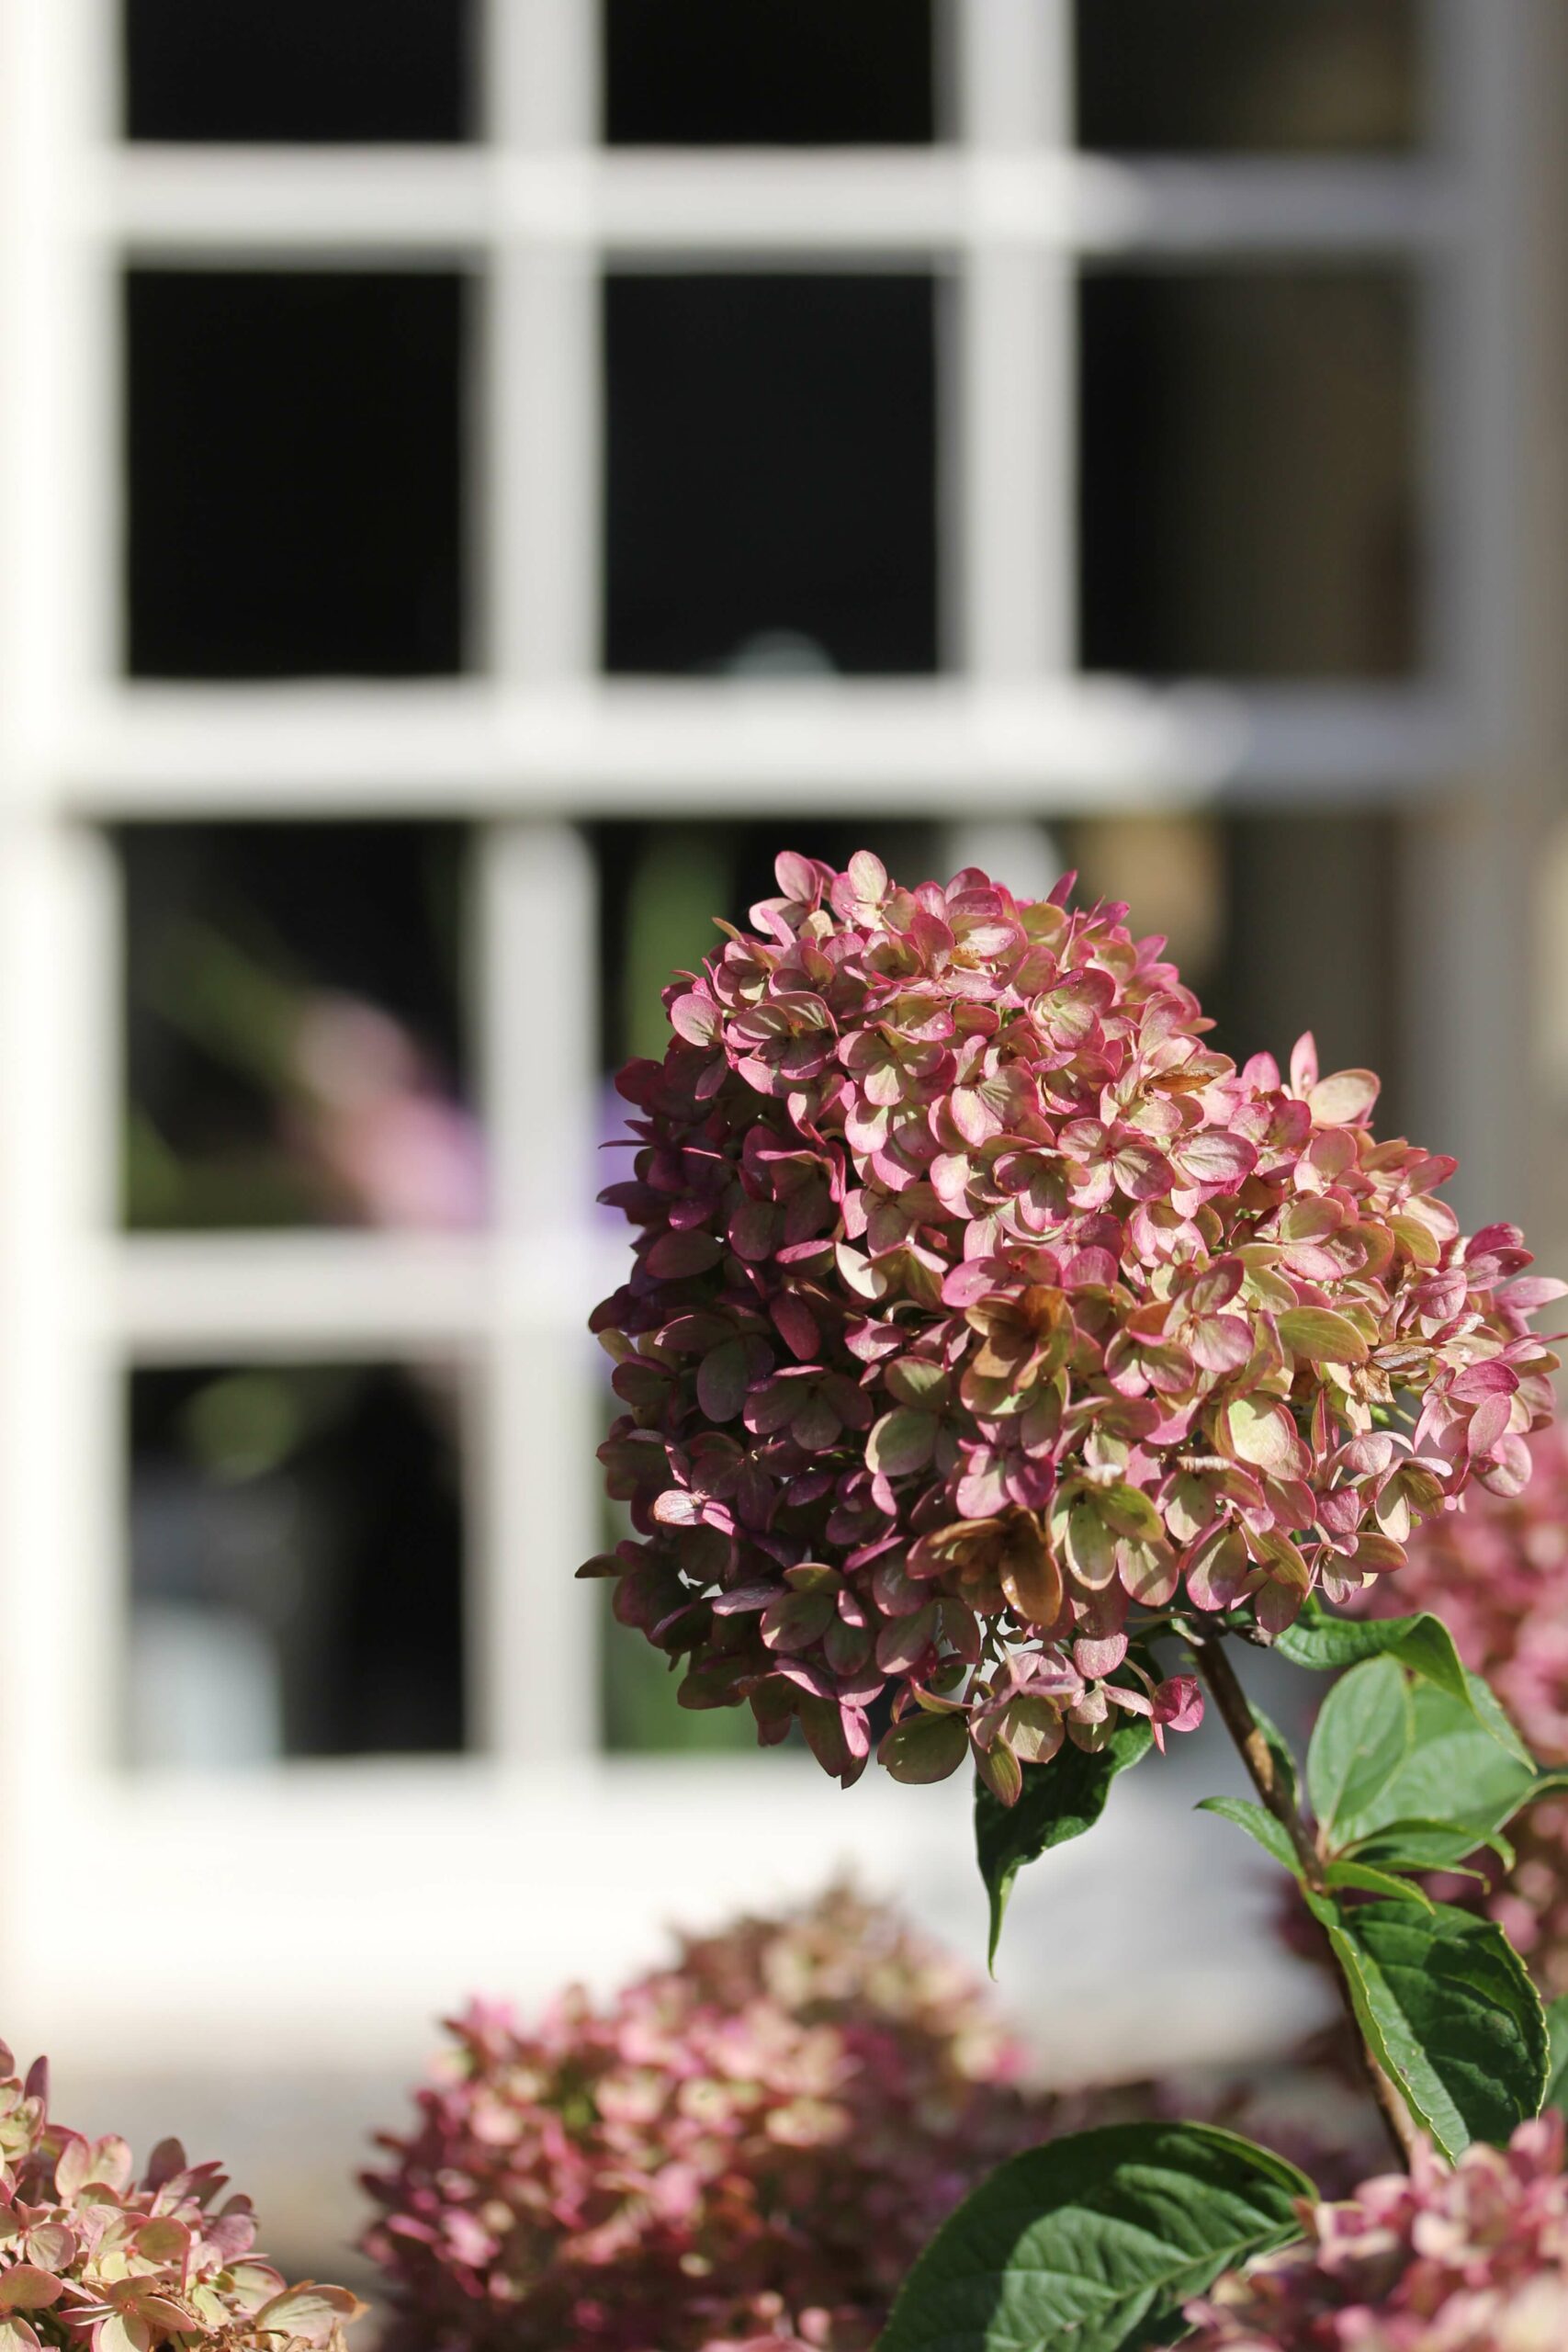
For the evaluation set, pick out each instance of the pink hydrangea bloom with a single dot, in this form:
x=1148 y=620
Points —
x=1469 y=2259
x=93 y=2257
x=743 y=2152
x=978 y=1305
x=1496 y=1572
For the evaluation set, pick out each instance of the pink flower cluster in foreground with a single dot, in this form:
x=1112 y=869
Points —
x=91 y=2257
x=1472 y=2260
x=978 y=1303
x=743 y=2152
x=1496 y=1572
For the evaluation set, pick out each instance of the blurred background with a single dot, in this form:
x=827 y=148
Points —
x=478 y=478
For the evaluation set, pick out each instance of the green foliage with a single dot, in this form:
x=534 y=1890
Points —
x=1096 y=2241
x=1424 y=1644
x=1059 y=1800
x=1453 y=1772
x=1259 y=1824
x=1449 y=2011
x=1420 y=1846
x=1411 y=1769
x=1362 y=1738
x=1557 y=2060
x=1365 y=1880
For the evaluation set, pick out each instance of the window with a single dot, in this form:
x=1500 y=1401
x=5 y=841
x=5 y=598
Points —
x=297 y=1047
x=1248 y=501
x=359 y=70
x=476 y=481
x=778 y=72
x=295 y=1564
x=770 y=473
x=293 y=474
x=1303 y=76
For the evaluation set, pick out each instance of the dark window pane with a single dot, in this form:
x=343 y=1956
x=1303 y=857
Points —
x=771 y=463
x=295 y=1048
x=1280 y=922
x=1260 y=74
x=639 y=1708
x=660 y=885
x=1317 y=926
x=1246 y=487
x=767 y=73
x=292 y=454
x=296 y=1564
x=352 y=70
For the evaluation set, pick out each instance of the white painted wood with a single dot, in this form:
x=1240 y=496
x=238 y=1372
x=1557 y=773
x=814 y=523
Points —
x=631 y=745
x=538 y=506
x=806 y=209
x=545 y=1410
x=1017 y=423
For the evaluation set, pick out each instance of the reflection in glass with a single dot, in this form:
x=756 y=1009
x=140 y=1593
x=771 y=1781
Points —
x=640 y=1714
x=1290 y=75
x=296 y=1548
x=296 y=1050
x=1316 y=941
x=1171 y=873
x=1246 y=488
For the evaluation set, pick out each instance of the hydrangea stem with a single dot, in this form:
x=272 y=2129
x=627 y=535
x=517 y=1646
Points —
x=1256 y=1754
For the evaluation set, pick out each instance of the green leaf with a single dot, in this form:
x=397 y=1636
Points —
x=1325 y=1643
x=1259 y=1824
x=1097 y=2240
x=1060 y=1800
x=1426 y=1845
x=1454 y=1772
x=1447 y=2009
x=1557 y=2064
x=1368 y=1881
x=1363 y=1733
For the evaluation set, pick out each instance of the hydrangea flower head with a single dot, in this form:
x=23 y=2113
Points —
x=1469 y=2259
x=90 y=2256
x=979 y=1304
x=743 y=2152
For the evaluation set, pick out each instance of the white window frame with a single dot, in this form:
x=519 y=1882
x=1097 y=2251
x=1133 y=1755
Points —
x=329 y=1904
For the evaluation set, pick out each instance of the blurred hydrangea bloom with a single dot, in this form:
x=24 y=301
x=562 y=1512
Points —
x=89 y=2256
x=391 y=1144
x=1496 y=1572
x=743 y=2152
x=1469 y=2259
x=977 y=1304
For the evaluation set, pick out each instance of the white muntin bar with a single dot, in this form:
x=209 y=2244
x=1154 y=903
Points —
x=1017 y=546
x=539 y=932
x=538 y=518
x=219 y=206
x=680 y=747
